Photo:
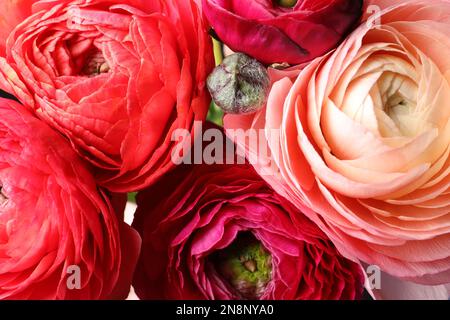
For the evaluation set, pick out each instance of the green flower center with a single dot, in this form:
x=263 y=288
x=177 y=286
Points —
x=286 y=3
x=246 y=265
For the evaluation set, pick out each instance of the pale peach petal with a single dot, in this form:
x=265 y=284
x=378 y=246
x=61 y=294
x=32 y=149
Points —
x=349 y=187
x=406 y=212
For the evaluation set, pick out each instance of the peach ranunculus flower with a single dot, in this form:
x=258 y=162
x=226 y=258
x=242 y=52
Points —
x=364 y=140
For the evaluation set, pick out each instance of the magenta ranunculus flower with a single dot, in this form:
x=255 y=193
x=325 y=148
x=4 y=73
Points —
x=115 y=77
x=220 y=232
x=282 y=31
x=54 y=223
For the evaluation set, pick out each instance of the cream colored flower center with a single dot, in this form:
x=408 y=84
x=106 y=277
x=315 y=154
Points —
x=396 y=114
x=383 y=97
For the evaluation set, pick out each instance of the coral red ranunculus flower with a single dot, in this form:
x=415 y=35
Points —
x=220 y=232
x=273 y=33
x=115 y=77
x=54 y=223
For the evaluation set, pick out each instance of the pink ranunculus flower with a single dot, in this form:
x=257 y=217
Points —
x=364 y=140
x=54 y=222
x=220 y=232
x=273 y=33
x=115 y=77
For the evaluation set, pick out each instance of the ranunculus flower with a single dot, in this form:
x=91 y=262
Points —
x=115 y=77
x=364 y=141
x=272 y=33
x=54 y=222
x=220 y=232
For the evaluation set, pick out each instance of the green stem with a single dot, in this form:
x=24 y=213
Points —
x=215 y=114
x=218 y=51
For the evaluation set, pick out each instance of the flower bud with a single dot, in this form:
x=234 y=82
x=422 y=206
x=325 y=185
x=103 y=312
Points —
x=239 y=85
x=246 y=265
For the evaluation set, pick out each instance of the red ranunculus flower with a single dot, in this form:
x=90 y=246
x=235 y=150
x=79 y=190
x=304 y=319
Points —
x=220 y=232
x=273 y=33
x=116 y=77
x=54 y=223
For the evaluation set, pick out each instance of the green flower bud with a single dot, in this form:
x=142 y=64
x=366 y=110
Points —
x=239 y=85
x=246 y=266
